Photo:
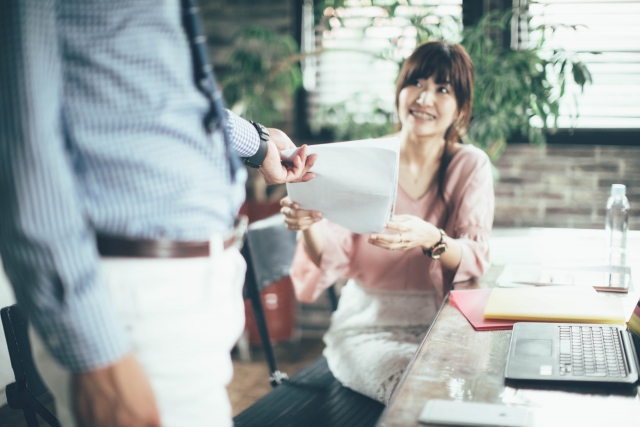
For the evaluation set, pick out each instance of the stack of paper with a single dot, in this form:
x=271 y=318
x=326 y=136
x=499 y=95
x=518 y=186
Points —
x=355 y=184
x=608 y=278
x=553 y=304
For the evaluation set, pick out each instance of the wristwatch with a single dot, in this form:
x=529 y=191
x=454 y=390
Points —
x=256 y=160
x=438 y=249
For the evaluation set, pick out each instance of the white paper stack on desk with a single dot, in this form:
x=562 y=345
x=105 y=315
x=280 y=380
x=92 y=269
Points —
x=614 y=280
x=355 y=184
x=609 y=278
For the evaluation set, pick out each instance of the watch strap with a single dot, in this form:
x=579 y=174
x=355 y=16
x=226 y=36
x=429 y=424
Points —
x=256 y=160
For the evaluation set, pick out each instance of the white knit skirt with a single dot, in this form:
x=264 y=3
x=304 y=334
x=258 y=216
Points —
x=374 y=334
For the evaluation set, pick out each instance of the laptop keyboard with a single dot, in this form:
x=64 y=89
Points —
x=591 y=351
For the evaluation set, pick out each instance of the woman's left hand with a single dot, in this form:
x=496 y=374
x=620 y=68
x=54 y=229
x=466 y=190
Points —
x=412 y=232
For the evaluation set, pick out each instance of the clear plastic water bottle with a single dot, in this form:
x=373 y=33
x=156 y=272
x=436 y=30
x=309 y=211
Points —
x=616 y=225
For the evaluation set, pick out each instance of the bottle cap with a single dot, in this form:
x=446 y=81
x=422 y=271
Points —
x=618 y=189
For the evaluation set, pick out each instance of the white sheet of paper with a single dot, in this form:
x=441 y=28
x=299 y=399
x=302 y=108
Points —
x=355 y=184
x=599 y=276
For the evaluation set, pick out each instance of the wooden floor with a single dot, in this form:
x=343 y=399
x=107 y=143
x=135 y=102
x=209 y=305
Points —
x=250 y=380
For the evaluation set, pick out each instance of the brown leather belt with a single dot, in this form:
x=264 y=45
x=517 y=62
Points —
x=116 y=246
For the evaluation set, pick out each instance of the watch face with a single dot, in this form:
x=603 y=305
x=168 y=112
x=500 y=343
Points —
x=438 y=250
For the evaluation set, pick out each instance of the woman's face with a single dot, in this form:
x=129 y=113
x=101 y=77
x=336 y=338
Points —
x=427 y=108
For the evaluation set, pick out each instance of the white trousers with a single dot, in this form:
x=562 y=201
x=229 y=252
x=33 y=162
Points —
x=183 y=317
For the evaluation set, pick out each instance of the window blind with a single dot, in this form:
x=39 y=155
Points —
x=607 y=40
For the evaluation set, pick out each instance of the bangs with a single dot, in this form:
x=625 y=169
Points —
x=447 y=64
x=436 y=63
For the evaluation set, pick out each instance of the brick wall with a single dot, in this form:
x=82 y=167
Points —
x=564 y=185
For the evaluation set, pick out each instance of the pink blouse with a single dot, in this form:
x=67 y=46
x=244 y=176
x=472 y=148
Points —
x=469 y=190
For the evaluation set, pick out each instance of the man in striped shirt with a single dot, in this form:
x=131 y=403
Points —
x=101 y=133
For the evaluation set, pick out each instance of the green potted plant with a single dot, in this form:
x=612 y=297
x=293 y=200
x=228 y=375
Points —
x=261 y=75
x=259 y=81
x=515 y=91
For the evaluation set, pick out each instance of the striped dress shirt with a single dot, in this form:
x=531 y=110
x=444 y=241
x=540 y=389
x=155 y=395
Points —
x=101 y=130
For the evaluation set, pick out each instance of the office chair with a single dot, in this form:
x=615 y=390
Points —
x=312 y=397
x=267 y=264
x=24 y=393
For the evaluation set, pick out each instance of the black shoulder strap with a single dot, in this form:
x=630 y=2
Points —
x=205 y=80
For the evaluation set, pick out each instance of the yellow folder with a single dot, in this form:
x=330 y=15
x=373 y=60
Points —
x=553 y=305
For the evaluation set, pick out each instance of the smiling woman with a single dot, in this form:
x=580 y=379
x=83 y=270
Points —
x=444 y=71
x=440 y=234
x=434 y=97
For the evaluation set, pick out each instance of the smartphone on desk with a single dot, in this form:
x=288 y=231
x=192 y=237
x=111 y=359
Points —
x=473 y=414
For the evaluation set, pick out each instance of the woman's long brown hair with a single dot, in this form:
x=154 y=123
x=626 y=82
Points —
x=449 y=63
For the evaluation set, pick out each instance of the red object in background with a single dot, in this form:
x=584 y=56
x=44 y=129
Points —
x=279 y=307
x=278 y=300
x=260 y=210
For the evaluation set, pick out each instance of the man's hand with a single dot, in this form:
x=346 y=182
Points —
x=275 y=171
x=116 y=396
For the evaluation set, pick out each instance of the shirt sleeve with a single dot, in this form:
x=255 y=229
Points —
x=309 y=280
x=474 y=219
x=47 y=246
x=244 y=137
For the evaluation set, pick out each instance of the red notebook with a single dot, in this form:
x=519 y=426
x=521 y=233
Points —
x=471 y=304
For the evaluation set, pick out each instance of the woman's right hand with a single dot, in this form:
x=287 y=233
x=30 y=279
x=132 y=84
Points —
x=298 y=219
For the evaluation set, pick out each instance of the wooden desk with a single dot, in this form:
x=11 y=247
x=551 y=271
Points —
x=455 y=362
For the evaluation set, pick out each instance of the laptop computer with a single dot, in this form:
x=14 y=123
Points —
x=572 y=352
